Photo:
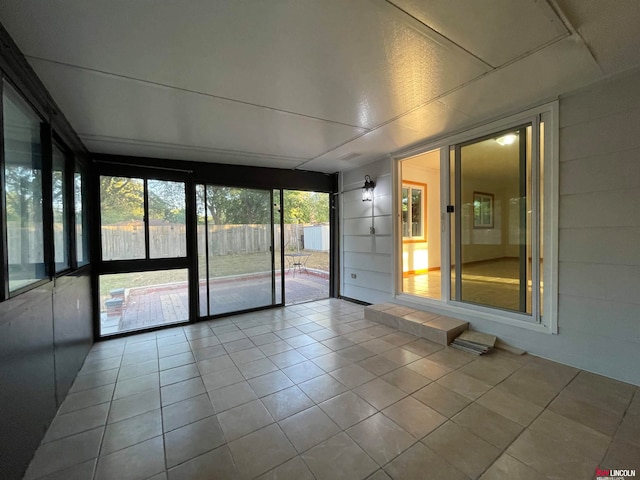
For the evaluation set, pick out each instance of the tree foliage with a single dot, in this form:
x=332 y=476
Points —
x=122 y=200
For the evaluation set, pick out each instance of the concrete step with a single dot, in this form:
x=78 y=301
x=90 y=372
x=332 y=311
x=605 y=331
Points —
x=434 y=327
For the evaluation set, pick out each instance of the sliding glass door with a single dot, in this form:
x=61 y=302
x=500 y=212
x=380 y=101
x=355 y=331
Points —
x=236 y=249
x=492 y=240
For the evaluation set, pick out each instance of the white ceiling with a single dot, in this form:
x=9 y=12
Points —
x=317 y=85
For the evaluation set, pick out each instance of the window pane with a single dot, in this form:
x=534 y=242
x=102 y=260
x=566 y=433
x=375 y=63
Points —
x=416 y=212
x=23 y=191
x=405 y=212
x=82 y=239
x=122 y=218
x=167 y=228
x=60 y=227
x=137 y=300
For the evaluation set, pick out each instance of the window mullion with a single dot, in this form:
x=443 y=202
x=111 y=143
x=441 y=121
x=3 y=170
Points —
x=146 y=219
x=47 y=199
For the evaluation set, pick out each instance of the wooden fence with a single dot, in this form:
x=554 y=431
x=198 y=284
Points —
x=127 y=241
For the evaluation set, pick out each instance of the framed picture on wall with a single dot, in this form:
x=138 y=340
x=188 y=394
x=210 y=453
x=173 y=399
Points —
x=482 y=210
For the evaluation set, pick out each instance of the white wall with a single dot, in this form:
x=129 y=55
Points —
x=367 y=256
x=599 y=237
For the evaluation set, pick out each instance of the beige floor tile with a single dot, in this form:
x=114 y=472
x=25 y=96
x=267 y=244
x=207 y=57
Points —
x=423 y=347
x=142 y=460
x=338 y=343
x=222 y=378
x=490 y=370
x=583 y=439
x=257 y=368
x=332 y=361
x=347 y=409
x=441 y=399
x=378 y=365
x=508 y=468
x=602 y=392
x=510 y=406
x=244 y=419
x=131 y=431
x=322 y=388
x=381 y=438
x=414 y=416
x=294 y=469
x=87 y=398
x=464 y=385
x=286 y=402
x=182 y=413
x=76 y=422
x=261 y=451
x=495 y=429
x=530 y=388
x=401 y=356
x=452 y=358
x=352 y=375
x=629 y=430
x=178 y=374
x=177 y=392
x=429 y=369
x=64 y=453
x=270 y=383
x=339 y=458
x=622 y=455
x=80 y=471
x=555 y=459
x=377 y=345
x=423 y=463
x=379 y=475
x=406 y=380
x=379 y=393
x=308 y=428
x=399 y=338
x=287 y=358
x=216 y=464
x=314 y=350
x=303 y=371
x=582 y=410
x=232 y=396
x=134 y=405
x=192 y=440
x=462 y=449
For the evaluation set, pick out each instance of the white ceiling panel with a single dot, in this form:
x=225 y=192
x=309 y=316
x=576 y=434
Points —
x=428 y=121
x=497 y=31
x=359 y=62
x=561 y=67
x=99 y=105
x=611 y=28
x=177 y=152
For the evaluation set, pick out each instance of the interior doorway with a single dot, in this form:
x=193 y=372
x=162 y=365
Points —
x=420 y=224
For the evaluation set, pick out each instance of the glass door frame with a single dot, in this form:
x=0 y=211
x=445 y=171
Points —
x=546 y=323
x=456 y=201
x=272 y=213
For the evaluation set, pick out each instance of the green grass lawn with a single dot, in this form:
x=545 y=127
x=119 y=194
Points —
x=220 y=266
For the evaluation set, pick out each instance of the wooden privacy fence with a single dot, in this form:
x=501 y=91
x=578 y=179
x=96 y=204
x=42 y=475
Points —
x=127 y=241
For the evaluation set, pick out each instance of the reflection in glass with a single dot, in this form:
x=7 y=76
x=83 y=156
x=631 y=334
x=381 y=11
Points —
x=60 y=227
x=495 y=235
x=122 y=218
x=82 y=239
x=139 y=300
x=167 y=227
x=23 y=191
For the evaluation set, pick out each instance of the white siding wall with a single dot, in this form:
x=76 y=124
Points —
x=599 y=237
x=368 y=257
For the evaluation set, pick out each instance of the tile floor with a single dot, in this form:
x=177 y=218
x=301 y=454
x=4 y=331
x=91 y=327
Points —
x=315 y=391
